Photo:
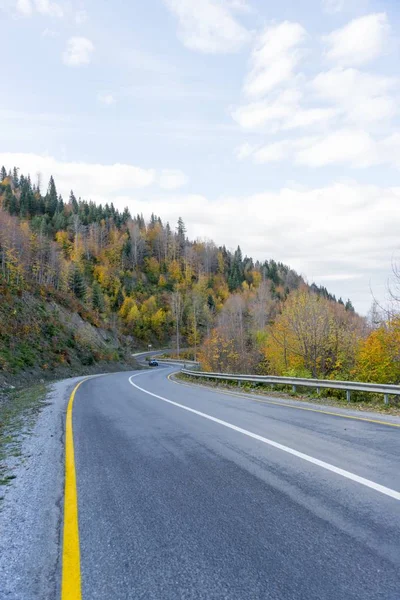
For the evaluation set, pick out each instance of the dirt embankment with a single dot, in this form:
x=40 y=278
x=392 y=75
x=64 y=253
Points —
x=41 y=340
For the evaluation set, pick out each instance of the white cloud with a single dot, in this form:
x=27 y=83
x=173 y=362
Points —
x=284 y=112
x=81 y=17
x=273 y=152
x=78 y=52
x=208 y=26
x=360 y=41
x=306 y=117
x=282 y=150
x=352 y=148
x=274 y=58
x=361 y=97
x=106 y=98
x=347 y=147
x=257 y=114
x=87 y=179
x=390 y=149
x=24 y=7
x=172 y=179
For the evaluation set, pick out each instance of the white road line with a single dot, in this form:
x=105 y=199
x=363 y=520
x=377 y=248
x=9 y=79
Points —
x=315 y=461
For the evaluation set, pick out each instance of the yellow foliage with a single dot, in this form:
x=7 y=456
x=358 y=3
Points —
x=133 y=315
x=257 y=278
x=174 y=271
x=157 y=321
x=378 y=358
x=63 y=240
x=127 y=305
x=312 y=334
x=218 y=353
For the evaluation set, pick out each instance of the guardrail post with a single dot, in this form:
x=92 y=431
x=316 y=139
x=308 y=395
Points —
x=386 y=398
x=348 y=395
x=294 y=388
x=318 y=391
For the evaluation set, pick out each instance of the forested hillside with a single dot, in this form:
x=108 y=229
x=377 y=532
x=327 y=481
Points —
x=85 y=282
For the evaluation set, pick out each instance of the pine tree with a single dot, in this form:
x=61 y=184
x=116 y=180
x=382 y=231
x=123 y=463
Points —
x=3 y=173
x=181 y=237
x=15 y=177
x=76 y=282
x=236 y=273
x=272 y=271
x=126 y=215
x=73 y=202
x=10 y=201
x=97 y=297
x=119 y=298
x=51 y=200
x=210 y=302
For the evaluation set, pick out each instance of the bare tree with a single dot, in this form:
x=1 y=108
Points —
x=137 y=243
x=177 y=312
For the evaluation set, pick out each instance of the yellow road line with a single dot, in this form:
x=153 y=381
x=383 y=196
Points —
x=325 y=412
x=71 y=563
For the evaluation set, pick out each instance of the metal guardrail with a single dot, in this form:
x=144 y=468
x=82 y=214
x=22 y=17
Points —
x=318 y=384
x=182 y=361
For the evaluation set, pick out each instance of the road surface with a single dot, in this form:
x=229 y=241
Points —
x=231 y=499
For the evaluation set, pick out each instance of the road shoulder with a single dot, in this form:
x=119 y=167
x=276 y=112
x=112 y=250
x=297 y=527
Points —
x=332 y=409
x=31 y=510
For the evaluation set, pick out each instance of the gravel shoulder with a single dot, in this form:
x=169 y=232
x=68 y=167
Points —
x=31 y=505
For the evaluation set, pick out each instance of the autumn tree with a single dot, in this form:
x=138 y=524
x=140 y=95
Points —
x=312 y=334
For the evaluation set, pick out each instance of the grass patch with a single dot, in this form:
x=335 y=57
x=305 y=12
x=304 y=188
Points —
x=18 y=412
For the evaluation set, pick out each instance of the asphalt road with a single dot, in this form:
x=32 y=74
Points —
x=175 y=505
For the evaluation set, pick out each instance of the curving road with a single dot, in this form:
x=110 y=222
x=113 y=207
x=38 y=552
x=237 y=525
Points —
x=234 y=498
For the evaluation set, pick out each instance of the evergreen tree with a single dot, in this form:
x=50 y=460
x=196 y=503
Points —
x=76 y=282
x=51 y=200
x=236 y=272
x=10 y=201
x=349 y=306
x=181 y=236
x=97 y=297
x=210 y=302
x=59 y=221
x=3 y=173
x=126 y=215
x=15 y=177
x=74 y=203
x=272 y=272
x=119 y=298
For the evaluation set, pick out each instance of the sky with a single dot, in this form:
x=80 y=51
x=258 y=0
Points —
x=273 y=125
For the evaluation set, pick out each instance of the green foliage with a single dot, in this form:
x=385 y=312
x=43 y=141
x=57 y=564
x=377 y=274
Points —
x=97 y=297
x=300 y=372
x=76 y=282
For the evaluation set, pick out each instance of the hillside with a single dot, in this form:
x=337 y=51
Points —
x=82 y=283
